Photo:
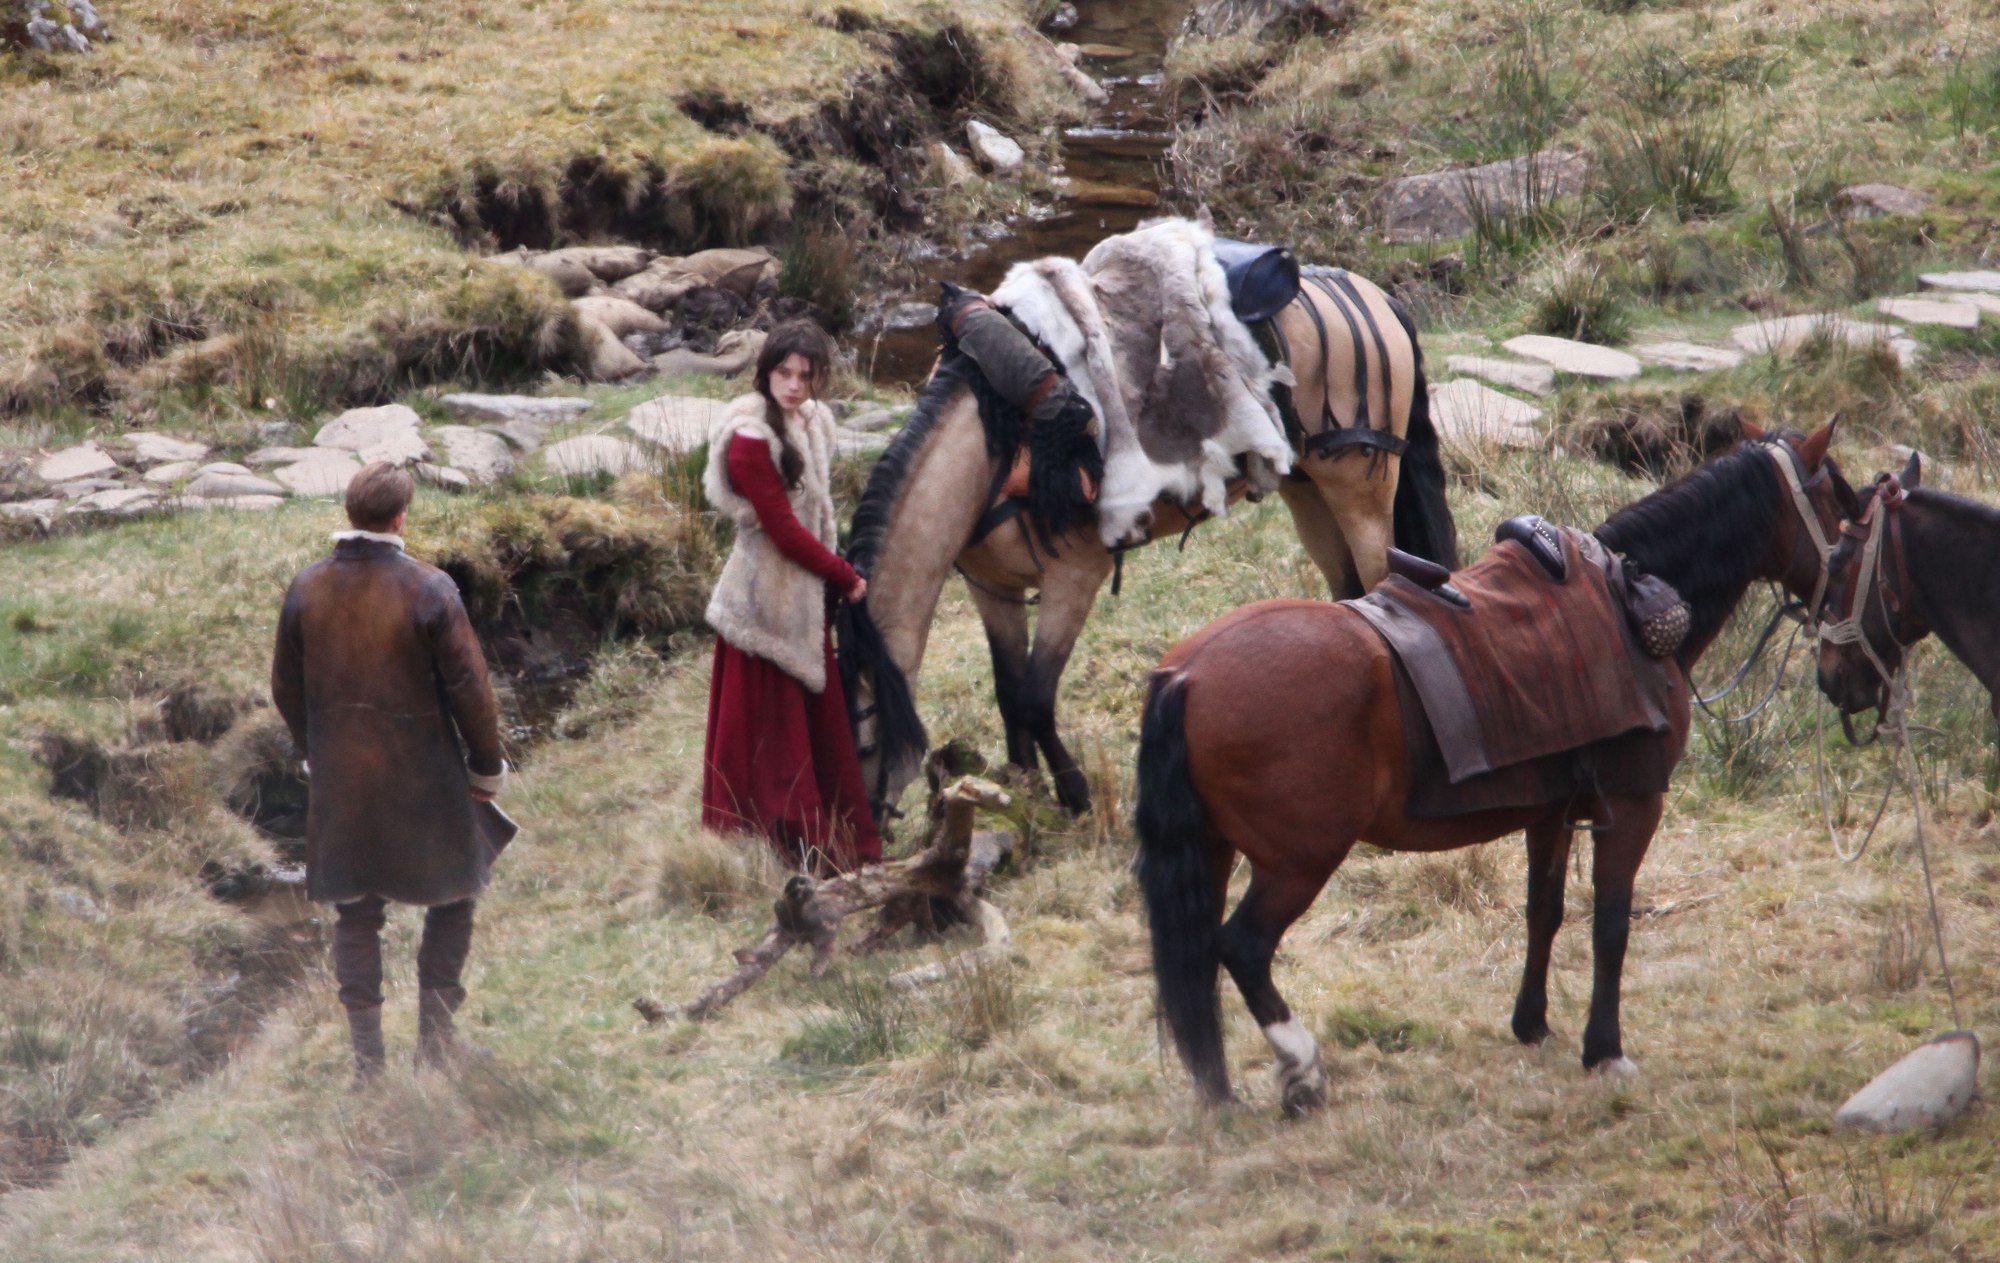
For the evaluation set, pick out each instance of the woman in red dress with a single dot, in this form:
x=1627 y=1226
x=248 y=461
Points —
x=780 y=760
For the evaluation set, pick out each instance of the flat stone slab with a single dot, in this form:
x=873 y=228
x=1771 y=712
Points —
x=86 y=460
x=325 y=475
x=246 y=503
x=1687 y=357
x=358 y=429
x=1928 y=1088
x=162 y=474
x=522 y=436
x=1579 y=359
x=1988 y=304
x=1471 y=413
x=285 y=455
x=215 y=484
x=678 y=423
x=443 y=478
x=481 y=457
x=78 y=488
x=847 y=442
x=1787 y=333
x=222 y=467
x=42 y=511
x=123 y=502
x=870 y=420
x=161 y=449
x=1930 y=311
x=1987 y=282
x=1535 y=379
x=547 y=411
x=593 y=454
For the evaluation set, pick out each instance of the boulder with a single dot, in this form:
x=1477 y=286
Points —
x=1439 y=205
x=734 y=353
x=87 y=460
x=1066 y=68
x=280 y=433
x=284 y=455
x=542 y=411
x=443 y=479
x=1580 y=359
x=481 y=457
x=358 y=429
x=161 y=449
x=620 y=315
x=1930 y=311
x=522 y=436
x=609 y=359
x=1872 y=201
x=396 y=449
x=1534 y=379
x=161 y=475
x=39 y=513
x=870 y=420
x=1062 y=17
x=1687 y=357
x=677 y=423
x=997 y=153
x=593 y=454
x=738 y=271
x=326 y=474
x=78 y=488
x=848 y=442
x=1470 y=413
x=1788 y=333
x=251 y=503
x=120 y=502
x=217 y=484
x=605 y=263
x=659 y=288
x=571 y=277
x=950 y=166
x=1928 y=1088
x=1986 y=282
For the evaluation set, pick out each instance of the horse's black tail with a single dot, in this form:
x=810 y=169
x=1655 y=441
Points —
x=899 y=731
x=1421 y=517
x=1183 y=906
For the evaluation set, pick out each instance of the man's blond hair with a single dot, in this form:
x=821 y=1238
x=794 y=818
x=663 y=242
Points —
x=377 y=494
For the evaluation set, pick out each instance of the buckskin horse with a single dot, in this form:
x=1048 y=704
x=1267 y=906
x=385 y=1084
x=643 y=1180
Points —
x=1914 y=561
x=1355 y=355
x=1276 y=733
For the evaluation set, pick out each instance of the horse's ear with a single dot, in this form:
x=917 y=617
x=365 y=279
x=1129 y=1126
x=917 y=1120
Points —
x=1812 y=448
x=1912 y=476
x=1752 y=432
x=1204 y=218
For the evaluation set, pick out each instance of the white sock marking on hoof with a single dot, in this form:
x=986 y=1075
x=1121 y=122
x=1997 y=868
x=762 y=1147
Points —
x=1616 y=1070
x=1298 y=1055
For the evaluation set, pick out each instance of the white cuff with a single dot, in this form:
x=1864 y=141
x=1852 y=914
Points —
x=489 y=784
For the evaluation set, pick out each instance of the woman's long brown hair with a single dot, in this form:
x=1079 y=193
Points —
x=807 y=340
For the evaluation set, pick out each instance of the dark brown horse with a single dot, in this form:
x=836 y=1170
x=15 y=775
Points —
x=1275 y=732
x=1915 y=561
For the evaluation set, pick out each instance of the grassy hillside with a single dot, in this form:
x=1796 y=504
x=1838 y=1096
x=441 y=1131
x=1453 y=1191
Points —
x=233 y=203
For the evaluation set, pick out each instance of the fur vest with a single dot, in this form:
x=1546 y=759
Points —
x=764 y=603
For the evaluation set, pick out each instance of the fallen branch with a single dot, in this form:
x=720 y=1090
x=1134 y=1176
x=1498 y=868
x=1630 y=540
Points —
x=945 y=878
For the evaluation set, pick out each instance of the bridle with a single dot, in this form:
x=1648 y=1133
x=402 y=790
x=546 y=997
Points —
x=1879 y=537
x=1791 y=470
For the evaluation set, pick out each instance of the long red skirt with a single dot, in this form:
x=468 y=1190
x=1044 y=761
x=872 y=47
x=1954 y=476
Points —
x=781 y=762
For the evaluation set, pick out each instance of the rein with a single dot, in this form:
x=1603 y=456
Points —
x=1791 y=469
x=1880 y=524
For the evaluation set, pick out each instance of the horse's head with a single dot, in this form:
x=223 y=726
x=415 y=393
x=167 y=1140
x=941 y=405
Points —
x=1818 y=498
x=1869 y=617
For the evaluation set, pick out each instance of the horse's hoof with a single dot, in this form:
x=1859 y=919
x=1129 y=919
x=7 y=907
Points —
x=1532 y=1035
x=1615 y=1070
x=1306 y=1096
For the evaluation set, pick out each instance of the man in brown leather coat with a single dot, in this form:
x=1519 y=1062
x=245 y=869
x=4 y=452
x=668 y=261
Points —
x=381 y=680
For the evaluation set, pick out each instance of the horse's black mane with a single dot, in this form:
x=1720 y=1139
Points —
x=1703 y=534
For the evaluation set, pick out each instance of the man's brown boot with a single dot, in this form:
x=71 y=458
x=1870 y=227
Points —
x=364 y=1028
x=437 y=1035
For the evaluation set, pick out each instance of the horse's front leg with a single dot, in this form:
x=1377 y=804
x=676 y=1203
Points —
x=1548 y=869
x=1069 y=589
x=1004 y=611
x=1620 y=849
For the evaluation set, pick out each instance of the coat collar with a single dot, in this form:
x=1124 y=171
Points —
x=369 y=537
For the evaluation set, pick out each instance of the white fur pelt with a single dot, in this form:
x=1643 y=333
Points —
x=764 y=603
x=1059 y=302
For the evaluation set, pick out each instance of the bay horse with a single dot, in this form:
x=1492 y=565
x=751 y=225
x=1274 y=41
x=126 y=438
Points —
x=1275 y=732
x=1914 y=561
x=920 y=512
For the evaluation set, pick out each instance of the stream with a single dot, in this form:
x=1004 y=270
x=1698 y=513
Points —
x=1108 y=179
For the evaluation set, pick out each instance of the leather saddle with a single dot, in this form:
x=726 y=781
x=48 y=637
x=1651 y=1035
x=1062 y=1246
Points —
x=1263 y=280
x=1541 y=540
x=1426 y=574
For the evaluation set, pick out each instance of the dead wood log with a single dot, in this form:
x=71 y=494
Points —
x=951 y=872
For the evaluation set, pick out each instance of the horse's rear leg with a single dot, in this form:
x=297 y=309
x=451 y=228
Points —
x=1548 y=867
x=1363 y=499
x=1615 y=863
x=1321 y=536
x=1249 y=941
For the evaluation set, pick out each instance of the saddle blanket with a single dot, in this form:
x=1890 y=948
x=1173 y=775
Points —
x=1535 y=667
